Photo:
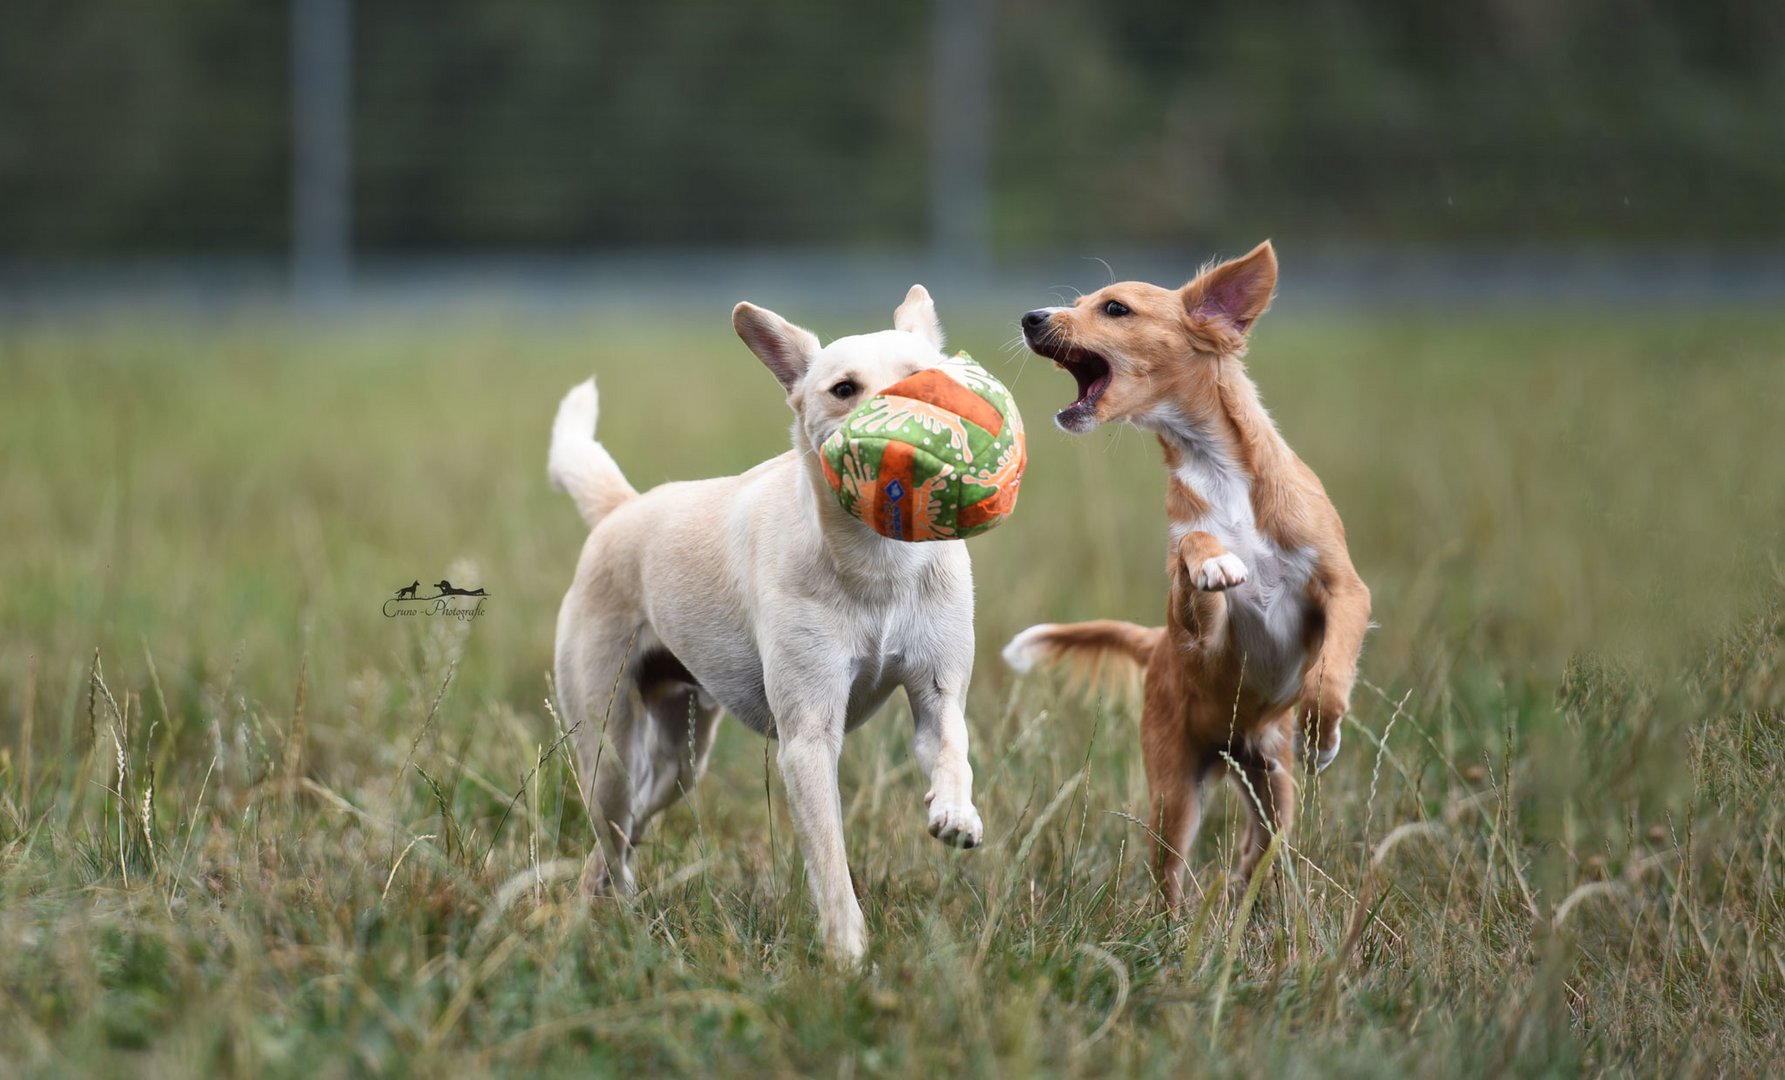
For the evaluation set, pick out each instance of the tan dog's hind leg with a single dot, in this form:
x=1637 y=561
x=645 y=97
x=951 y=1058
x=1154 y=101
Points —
x=1269 y=795
x=1174 y=777
x=1177 y=814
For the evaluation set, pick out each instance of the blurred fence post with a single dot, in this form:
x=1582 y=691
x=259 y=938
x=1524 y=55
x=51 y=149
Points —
x=960 y=133
x=321 y=150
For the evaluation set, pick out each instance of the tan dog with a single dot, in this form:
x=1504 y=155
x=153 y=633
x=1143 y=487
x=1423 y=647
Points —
x=1266 y=616
x=758 y=594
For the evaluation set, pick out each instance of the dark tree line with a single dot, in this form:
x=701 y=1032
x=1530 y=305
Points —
x=130 y=127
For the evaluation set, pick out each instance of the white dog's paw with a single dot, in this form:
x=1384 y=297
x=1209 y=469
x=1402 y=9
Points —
x=598 y=881
x=846 y=938
x=1224 y=571
x=955 y=824
x=1327 y=754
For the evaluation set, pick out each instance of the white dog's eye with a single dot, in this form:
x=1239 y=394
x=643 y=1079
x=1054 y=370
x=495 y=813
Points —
x=844 y=389
x=1116 y=309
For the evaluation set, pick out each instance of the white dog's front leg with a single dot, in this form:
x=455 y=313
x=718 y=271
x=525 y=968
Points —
x=940 y=742
x=808 y=757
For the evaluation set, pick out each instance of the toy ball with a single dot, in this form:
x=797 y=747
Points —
x=937 y=456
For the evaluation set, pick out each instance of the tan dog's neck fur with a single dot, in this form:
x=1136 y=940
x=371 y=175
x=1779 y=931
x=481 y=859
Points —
x=1220 y=420
x=1266 y=615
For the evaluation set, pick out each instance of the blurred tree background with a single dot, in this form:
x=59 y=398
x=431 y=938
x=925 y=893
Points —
x=130 y=128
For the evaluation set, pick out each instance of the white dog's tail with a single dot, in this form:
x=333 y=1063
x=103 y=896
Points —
x=1088 y=648
x=578 y=465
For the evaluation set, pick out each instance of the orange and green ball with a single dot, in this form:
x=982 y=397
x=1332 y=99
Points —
x=936 y=456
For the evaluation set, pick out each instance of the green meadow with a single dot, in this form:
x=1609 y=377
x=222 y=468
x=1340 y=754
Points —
x=251 y=826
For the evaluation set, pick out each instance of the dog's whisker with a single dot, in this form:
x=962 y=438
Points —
x=1019 y=346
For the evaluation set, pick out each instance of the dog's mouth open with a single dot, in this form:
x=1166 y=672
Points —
x=1092 y=372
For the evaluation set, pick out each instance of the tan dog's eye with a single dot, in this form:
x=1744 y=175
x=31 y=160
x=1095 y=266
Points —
x=844 y=390
x=1115 y=309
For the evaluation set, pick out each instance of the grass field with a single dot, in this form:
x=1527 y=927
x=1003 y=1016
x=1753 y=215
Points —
x=249 y=825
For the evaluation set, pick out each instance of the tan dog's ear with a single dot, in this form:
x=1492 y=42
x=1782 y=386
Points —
x=1237 y=291
x=785 y=349
x=917 y=315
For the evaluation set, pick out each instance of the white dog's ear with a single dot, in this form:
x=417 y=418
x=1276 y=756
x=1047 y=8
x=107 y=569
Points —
x=784 y=348
x=917 y=315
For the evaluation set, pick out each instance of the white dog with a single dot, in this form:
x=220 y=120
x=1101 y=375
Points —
x=759 y=595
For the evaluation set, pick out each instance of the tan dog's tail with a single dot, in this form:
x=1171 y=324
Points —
x=1087 y=646
x=577 y=464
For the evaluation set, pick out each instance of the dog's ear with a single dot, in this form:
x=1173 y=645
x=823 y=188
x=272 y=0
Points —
x=917 y=315
x=1236 y=292
x=784 y=348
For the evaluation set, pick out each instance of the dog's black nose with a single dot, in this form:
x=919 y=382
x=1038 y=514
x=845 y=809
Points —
x=1035 y=320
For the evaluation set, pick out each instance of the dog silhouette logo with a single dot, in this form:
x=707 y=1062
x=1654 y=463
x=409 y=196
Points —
x=446 y=589
x=448 y=599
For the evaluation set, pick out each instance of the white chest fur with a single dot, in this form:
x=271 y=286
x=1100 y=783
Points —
x=1268 y=613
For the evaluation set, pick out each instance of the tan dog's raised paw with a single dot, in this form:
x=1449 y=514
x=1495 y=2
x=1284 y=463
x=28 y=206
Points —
x=1224 y=571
